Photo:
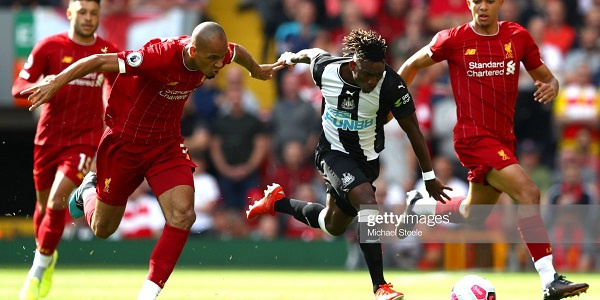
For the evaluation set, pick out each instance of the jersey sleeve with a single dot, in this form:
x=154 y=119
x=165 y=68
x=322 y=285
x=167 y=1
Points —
x=438 y=47
x=230 y=56
x=532 y=58
x=400 y=100
x=154 y=55
x=317 y=66
x=36 y=66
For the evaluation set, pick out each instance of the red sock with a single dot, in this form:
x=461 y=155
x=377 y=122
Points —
x=89 y=207
x=38 y=216
x=535 y=236
x=51 y=230
x=451 y=208
x=166 y=253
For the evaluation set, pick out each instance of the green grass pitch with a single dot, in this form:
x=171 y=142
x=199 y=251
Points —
x=185 y=283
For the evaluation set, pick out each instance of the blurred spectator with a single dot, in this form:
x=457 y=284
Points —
x=533 y=8
x=204 y=101
x=557 y=31
x=143 y=217
x=551 y=53
x=230 y=224
x=444 y=171
x=234 y=79
x=295 y=229
x=510 y=11
x=368 y=8
x=587 y=51
x=206 y=196
x=569 y=224
x=444 y=14
x=238 y=147
x=398 y=161
x=267 y=228
x=293 y=118
x=529 y=156
x=351 y=17
x=198 y=117
x=300 y=32
x=391 y=20
x=577 y=111
x=294 y=170
x=413 y=39
x=528 y=111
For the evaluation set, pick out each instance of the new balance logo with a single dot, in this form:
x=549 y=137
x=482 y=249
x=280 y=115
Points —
x=470 y=51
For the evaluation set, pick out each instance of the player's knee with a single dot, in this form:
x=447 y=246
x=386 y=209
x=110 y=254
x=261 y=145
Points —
x=103 y=232
x=530 y=195
x=182 y=218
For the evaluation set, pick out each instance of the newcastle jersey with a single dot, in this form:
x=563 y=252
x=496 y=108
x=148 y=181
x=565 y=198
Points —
x=353 y=120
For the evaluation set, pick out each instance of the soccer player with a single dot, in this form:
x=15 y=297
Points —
x=143 y=138
x=67 y=133
x=359 y=91
x=483 y=58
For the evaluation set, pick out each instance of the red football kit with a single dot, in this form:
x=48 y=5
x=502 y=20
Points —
x=70 y=124
x=143 y=137
x=484 y=73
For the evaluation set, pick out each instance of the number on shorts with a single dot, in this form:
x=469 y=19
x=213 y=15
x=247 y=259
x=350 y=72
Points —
x=84 y=163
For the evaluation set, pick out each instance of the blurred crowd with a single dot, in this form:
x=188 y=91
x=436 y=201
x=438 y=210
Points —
x=240 y=146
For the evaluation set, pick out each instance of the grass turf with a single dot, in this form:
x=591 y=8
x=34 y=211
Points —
x=116 y=283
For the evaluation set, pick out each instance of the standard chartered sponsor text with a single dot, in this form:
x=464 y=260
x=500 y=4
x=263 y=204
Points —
x=175 y=95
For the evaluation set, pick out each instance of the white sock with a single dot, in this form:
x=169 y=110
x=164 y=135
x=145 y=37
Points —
x=425 y=206
x=322 y=221
x=86 y=193
x=40 y=263
x=149 y=291
x=546 y=270
x=41 y=260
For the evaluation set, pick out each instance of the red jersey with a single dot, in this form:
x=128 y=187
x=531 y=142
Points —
x=146 y=103
x=484 y=73
x=74 y=115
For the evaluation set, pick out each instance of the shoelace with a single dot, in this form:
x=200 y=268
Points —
x=562 y=280
x=386 y=286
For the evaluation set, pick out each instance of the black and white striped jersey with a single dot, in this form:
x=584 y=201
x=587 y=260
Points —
x=353 y=120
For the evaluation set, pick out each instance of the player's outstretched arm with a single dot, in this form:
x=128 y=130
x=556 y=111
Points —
x=434 y=187
x=45 y=90
x=546 y=83
x=413 y=64
x=262 y=72
x=305 y=56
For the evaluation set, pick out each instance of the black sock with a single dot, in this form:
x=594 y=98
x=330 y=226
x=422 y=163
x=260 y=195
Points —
x=374 y=258
x=305 y=212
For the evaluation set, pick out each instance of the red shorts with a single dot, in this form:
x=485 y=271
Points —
x=122 y=166
x=73 y=161
x=481 y=154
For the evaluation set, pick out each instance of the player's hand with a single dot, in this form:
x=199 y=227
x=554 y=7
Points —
x=436 y=188
x=42 y=92
x=545 y=92
x=287 y=58
x=266 y=71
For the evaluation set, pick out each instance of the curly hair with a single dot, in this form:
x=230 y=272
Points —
x=364 y=44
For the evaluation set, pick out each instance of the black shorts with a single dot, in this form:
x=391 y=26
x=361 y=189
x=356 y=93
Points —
x=342 y=173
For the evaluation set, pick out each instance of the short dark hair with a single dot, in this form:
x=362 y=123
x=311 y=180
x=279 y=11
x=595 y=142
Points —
x=364 y=44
